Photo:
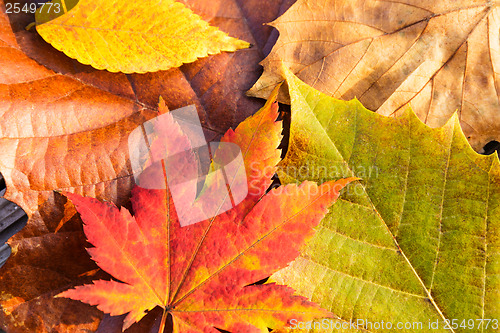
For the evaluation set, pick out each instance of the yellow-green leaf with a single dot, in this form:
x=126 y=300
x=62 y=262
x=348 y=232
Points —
x=417 y=240
x=130 y=36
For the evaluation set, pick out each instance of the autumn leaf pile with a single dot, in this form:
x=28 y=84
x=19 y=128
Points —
x=368 y=201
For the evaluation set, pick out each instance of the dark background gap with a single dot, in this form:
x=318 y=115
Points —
x=12 y=219
x=491 y=147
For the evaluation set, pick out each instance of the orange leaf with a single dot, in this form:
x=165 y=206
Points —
x=69 y=212
x=64 y=126
x=201 y=273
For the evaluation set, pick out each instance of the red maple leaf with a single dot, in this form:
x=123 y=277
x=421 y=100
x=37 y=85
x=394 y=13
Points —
x=202 y=273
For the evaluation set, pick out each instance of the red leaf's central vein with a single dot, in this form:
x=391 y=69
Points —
x=248 y=249
x=186 y=272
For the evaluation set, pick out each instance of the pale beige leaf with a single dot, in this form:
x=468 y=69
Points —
x=437 y=56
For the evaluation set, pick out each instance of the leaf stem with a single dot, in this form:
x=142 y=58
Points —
x=29 y=26
x=65 y=9
x=163 y=320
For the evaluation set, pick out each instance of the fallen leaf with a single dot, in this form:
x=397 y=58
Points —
x=56 y=132
x=128 y=36
x=65 y=126
x=216 y=84
x=417 y=239
x=92 y=272
x=12 y=304
x=69 y=212
x=438 y=57
x=201 y=274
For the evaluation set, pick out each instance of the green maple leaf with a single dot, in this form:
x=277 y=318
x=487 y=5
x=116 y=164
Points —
x=417 y=240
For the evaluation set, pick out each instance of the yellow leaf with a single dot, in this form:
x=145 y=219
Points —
x=129 y=36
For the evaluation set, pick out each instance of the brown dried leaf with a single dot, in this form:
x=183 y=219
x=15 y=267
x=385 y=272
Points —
x=437 y=56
